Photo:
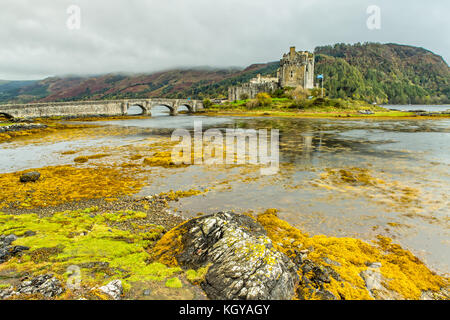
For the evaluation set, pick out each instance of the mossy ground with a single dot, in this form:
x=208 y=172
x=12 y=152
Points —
x=104 y=245
x=52 y=128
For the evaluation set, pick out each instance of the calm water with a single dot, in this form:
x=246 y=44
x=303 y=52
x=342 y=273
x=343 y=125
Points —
x=407 y=199
x=419 y=107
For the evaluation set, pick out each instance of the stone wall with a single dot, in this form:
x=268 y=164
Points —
x=93 y=108
x=250 y=90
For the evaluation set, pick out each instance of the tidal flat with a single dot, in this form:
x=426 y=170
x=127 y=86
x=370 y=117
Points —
x=358 y=207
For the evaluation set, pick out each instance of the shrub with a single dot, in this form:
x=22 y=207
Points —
x=207 y=103
x=263 y=99
x=317 y=92
x=299 y=104
x=337 y=104
x=252 y=104
x=244 y=96
x=279 y=93
x=300 y=93
x=318 y=102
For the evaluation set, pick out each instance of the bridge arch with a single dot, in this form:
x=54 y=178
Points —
x=188 y=106
x=173 y=110
x=131 y=109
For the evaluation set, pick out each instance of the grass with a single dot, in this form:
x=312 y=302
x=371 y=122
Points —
x=5 y=124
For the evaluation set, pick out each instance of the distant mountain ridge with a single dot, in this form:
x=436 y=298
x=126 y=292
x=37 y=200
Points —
x=383 y=73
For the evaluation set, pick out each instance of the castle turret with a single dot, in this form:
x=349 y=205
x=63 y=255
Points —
x=297 y=69
x=292 y=52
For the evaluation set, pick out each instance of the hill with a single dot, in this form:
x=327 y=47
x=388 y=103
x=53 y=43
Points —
x=384 y=73
x=372 y=72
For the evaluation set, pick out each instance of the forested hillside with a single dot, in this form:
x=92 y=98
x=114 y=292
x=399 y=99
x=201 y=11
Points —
x=384 y=73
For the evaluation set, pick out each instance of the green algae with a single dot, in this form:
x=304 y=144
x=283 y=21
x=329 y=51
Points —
x=174 y=283
x=197 y=276
x=80 y=238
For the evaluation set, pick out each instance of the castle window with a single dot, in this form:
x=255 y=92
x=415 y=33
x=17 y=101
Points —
x=292 y=74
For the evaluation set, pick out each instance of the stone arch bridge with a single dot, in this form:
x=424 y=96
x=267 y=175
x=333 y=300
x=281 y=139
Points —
x=95 y=108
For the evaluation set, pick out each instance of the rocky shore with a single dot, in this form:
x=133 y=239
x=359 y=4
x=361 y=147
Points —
x=224 y=255
x=21 y=126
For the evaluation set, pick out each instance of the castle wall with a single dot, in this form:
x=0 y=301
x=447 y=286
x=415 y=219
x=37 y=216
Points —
x=250 y=90
x=292 y=76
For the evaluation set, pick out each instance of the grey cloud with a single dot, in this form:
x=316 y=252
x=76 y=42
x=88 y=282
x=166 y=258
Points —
x=151 y=35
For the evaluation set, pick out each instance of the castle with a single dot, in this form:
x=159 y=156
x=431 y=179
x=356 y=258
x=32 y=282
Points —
x=296 y=69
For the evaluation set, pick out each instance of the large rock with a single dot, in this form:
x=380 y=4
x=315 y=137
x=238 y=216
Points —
x=243 y=264
x=30 y=177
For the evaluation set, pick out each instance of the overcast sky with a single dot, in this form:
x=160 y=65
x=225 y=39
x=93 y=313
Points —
x=152 y=35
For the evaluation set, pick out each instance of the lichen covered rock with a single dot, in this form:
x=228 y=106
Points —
x=243 y=264
x=114 y=289
x=44 y=285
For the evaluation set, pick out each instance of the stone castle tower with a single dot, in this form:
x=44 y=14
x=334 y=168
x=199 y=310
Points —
x=296 y=69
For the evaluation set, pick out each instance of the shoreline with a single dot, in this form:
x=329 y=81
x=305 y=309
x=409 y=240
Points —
x=395 y=115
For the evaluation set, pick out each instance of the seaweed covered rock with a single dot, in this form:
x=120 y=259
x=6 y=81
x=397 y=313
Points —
x=30 y=177
x=7 y=250
x=351 y=269
x=243 y=264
